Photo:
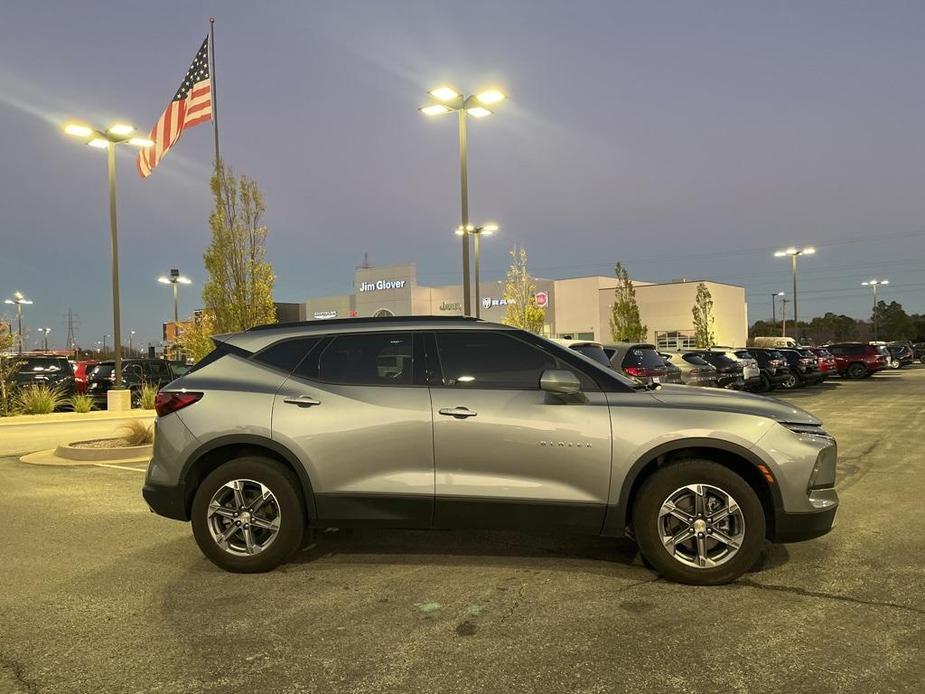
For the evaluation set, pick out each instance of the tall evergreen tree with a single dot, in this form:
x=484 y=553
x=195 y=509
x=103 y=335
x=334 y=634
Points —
x=703 y=317
x=625 y=324
x=239 y=292
x=520 y=295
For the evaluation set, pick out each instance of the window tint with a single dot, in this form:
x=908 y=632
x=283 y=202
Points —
x=481 y=359
x=286 y=354
x=643 y=356
x=382 y=359
x=595 y=352
x=695 y=360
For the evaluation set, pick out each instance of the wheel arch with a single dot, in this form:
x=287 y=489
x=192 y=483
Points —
x=733 y=456
x=213 y=454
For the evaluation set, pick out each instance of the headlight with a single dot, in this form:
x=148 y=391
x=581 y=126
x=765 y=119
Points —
x=814 y=429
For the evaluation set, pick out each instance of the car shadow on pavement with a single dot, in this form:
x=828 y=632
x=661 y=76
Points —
x=463 y=546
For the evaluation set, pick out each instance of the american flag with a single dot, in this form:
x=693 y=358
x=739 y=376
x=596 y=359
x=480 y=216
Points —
x=191 y=105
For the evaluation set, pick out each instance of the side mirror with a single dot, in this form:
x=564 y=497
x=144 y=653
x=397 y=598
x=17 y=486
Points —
x=560 y=382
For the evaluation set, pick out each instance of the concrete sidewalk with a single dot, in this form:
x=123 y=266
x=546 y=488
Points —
x=74 y=417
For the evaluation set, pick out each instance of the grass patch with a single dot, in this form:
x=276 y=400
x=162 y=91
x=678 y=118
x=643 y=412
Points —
x=81 y=403
x=137 y=433
x=146 y=396
x=38 y=399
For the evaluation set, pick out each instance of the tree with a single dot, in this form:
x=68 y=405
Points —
x=625 y=324
x=239 y=292
x=520 y=295
x=894 y=322
x=196 y=340
x=832 y=328
x=703 y=317
x=8 y=366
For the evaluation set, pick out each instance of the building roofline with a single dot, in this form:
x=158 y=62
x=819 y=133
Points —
x=387 y=320
x=667 y=284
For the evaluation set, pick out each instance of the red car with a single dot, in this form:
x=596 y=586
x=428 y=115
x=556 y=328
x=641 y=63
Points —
x=82 y=369
x=828 y=365
x=858 y=359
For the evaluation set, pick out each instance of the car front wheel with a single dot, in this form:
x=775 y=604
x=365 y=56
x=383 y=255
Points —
x=698 y=522
x=790 y=382
x=856 y=371
x=248 y=516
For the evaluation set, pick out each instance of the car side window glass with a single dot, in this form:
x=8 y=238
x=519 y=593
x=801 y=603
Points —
x=483 y=359
x=286 y=354
x=375 y=359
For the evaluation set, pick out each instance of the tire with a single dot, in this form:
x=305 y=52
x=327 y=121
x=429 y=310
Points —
x=894 y=364
x=764 y=385
x=790 y=382
x=746 y=525
x=856 y=370
x=270 y=532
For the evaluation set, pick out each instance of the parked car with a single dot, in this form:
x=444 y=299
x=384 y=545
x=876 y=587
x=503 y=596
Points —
x=82 y=370
x=639 y=360
x=774 y=342
x=135 y=374
x=828 y=367
x=918 y=350
x=695 y=371
x=674 y=371
x=179 y=367
x=750 y=370
x=54 y=372
x=857 y=360
x=284 y=429
x=901 y=354
x=772 y=366
x=592 y=350
x=729 y=372
x=804 y=368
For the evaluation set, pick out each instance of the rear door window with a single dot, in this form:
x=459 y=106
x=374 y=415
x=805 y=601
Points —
x=285 y=355
x=695 y=360
x=375 y=359
x=644 y=357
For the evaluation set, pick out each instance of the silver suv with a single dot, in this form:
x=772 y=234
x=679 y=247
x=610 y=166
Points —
x=430 y=422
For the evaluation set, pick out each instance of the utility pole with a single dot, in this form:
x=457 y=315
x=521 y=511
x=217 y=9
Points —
x=783 y=329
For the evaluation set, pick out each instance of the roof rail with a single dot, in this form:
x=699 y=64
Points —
x=354 y=321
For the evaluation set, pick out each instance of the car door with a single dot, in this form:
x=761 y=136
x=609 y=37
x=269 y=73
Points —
x=360 y=421
x=508 y=454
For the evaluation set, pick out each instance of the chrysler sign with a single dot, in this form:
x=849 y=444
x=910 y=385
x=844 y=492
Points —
x=379 y=285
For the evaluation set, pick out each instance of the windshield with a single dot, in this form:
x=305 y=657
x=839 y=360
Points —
x=556 y=348
x=695 y=360
x=645 y=357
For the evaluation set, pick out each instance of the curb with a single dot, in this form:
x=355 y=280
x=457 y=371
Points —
x=73 y=417
x=50 y=459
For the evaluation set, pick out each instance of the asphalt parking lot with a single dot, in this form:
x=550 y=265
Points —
x=101 y=595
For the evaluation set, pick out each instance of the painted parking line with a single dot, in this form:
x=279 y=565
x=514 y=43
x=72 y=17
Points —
x=123 y=467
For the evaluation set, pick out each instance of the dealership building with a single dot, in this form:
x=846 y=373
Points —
x=577 y=307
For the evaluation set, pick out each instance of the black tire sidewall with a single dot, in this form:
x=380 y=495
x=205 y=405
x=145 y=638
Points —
x=693 y=471
x=856 y=371
x=285 y=488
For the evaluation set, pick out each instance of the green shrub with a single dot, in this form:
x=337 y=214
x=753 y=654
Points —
x=81 y=403
x=38 y=399
x=136 y=432
x=146 y=396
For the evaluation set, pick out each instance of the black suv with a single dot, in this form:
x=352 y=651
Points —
x=804 y=368
x=55 y=372
x=728 y=371
x=135 y=374
x=772 y=365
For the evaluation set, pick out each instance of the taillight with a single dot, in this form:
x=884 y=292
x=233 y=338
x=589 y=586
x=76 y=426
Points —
x=166 y=402
x=637 y=371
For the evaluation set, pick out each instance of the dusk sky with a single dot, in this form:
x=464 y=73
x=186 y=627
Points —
x=685 y=139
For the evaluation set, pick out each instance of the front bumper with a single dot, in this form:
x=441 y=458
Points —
x=796 y=527
x=166 y=501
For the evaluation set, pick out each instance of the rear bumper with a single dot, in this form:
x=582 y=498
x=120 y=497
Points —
x=166 y=501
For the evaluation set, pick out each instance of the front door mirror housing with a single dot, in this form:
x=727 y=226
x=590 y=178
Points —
x=560 y=382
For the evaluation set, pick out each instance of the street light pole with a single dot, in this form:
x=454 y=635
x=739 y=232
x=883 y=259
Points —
x=783 y=328
x=131 y=350
x=19 y=300
x=793 y=253
x=873 y=284
x=476 y=232
x=116 y=134
x=450 y=100
x=45 y=332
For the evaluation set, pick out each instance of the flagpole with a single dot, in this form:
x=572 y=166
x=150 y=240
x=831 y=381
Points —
x=212 y=84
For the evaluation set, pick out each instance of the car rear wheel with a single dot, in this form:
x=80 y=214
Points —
x=856 y=371
x=248 y=515
x=698 y=522
x=790 y=382
x=763 y=385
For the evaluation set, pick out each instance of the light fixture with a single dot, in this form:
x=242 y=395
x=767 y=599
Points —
x=141 y=142
x=99 y=143
x=78 y=130
x=478 y=112
x=120 y=129
x=490 y=96
x=434 y=109
x=444 y=93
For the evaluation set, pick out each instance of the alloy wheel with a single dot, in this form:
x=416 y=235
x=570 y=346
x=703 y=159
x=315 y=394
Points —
x=701 y=525
x=244 y=517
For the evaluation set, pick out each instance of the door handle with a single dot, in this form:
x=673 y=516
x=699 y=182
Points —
x=458 y=412
x=302 y=401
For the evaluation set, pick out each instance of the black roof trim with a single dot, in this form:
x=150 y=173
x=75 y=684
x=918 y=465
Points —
x=356 y=321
